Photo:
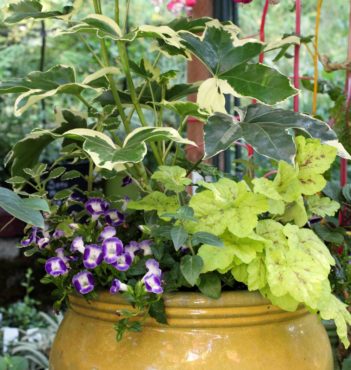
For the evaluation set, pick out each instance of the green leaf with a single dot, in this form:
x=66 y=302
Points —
x=260 y=82
x=156 y=201
x=172 y=178
x=206 y=238
x=210 y=285
x=15 y=206
x=16 y=180
x=226 y=205
x=63 y=194
x=70 y=175
x=215 y=258
x=185 y=108
x=100 y=25
x=179 y=236
x=191 y=267
x=157 y=310
x=322 y=206
x=14 y=363
x=313 y=159
x=217 y=49
x=257 y=274
x=33 y=9
x=328 y=234
x=27 y=151
x=267 y=130
x=295 y=212
x=56 y=172
x=38 y=204
x=184 y=213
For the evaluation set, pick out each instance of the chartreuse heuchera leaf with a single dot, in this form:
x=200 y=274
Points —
x=227 y=205
x=172 y=178
x=322 y=206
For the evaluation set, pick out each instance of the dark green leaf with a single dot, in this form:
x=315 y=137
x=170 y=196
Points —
x=217 y=51
x=206 y=238
x=56 y=172
x=210 y=285
x=179 y=236
x=70 y=175
x=16 y=180
x=328 y=234
x=191 y=267
x=63 y=194
x=157 y=311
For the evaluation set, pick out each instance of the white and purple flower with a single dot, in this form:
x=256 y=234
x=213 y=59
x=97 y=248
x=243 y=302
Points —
x=145 y=246
x=123 y=262
x=96 y=207
x=152 y=279
x=83 y=282
x=132 y=248
x=92 y=256
x=58 y=234
x=114 y=217
x=31 y=239
x=43 y=242
x=78 y=245
x=107 y=232
x=56 y=266
x=60 y=252
x=118 y=286
x=111 y=249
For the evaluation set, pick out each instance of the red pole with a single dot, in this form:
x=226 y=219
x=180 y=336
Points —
x=297 y=54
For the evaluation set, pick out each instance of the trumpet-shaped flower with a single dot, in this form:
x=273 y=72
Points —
x=92 y=256
x=96 y=207
x=114 y=217
x=123 y=262
x=56 y=266
x=83 y=282
x=78 y=245
x=107 y=232
x=111 y=249
x=118 y=286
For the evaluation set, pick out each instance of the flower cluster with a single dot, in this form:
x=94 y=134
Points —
x=104 y=247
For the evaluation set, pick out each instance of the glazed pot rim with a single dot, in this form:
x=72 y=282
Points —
x=193 y=310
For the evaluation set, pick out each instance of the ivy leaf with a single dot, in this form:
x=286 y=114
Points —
x=191 y=267
x=172 y=178
x=313 y=159
x=33 y=9
x=266 y=129
x=210 y=285
x=16 y=207
x=227 y=205
x=322 y=206
x=179 y=236
x=156 y=201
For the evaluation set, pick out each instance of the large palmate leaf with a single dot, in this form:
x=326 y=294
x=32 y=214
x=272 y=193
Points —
x=26 y=152
x=217 y=50
x=37 y=86
x=268 y=130
x=19 y=208
x=172 y=178
x=33 y=9
x=322 y=206
x=227 y=205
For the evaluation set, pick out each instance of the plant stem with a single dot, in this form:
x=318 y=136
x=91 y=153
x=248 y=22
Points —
x=125 y=26
x=91 y=51
x=125 y=62
x=117 y=11
x=194 y=166
x=86 y=103
x=90 y=176
x=171 y=143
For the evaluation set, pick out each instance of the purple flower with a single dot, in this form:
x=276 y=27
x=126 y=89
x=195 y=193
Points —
x=78 y=245
x=126 y=181
x=145 y=246
x=92 y=256
x=107 y=232
x=77 y=197
x=153 y=283
x=43 y=242
x=118 y=286
x=96 y=207
x=55 y=266
x=153 y=266
x=123 y=262
x=114 y=218
x=111 y=249
x=83 y=282
x=58 y=234
x=32 y=237
x=132 y=248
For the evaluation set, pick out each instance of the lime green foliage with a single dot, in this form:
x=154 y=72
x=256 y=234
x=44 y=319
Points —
x=172 y=178
x=321 y=206
x=313 y=160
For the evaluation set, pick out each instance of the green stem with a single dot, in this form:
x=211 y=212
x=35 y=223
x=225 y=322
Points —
x=85 y=102
x=117 y=11
x=125 y=25
x=99 y=61
x=125 y=62
x=90 y=176
x=171 y=143
x=194 y=166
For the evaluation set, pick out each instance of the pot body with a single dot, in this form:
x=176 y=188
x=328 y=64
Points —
x=241 y=330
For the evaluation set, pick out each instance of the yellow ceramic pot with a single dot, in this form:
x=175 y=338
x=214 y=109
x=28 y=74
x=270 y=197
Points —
x=240 y=331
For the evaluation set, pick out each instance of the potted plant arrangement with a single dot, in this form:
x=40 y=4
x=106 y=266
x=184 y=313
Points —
x=227 y=277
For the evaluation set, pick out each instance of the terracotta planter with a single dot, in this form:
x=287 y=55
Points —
x=241 y=330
